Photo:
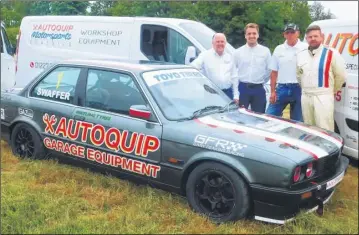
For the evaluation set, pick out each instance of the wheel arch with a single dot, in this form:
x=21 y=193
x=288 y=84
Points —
x=30 y=122
x=224 y=159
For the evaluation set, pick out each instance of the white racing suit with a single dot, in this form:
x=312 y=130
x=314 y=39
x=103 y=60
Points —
x=321 y=74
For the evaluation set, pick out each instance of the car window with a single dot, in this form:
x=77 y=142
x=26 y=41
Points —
x=58 y=85
x=112 y=91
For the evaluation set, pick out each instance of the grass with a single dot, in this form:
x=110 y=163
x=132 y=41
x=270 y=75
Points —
x=48 y=197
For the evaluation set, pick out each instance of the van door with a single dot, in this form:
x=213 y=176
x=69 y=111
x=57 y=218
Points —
x=7 y=62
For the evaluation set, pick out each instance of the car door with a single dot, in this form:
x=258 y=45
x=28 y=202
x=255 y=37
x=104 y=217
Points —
x=114 y=139
x=52 y=100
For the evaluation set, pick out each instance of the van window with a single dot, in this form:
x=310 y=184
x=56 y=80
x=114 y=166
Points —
x=112 y=91
x=160 y=43
x=58 y=85
x=7 y=42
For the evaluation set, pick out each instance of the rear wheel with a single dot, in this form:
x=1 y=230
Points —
x=218 y=192
x=26 y=142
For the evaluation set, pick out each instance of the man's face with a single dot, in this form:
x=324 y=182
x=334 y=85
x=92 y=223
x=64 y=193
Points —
x=251 y=35
x=314 y=38
x=291 y=35
x=219 y=43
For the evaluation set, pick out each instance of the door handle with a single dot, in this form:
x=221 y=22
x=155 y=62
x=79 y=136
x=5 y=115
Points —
x=78 y=117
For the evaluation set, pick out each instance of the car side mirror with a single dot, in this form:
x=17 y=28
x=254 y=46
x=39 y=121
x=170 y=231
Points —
x=190 y=54
x=140 y=111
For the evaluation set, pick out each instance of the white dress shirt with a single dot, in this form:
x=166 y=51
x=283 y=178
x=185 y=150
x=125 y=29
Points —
x=252 y=63
x=284 y=60
x=220 y=70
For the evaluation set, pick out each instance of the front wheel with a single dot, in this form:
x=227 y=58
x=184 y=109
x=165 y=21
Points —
x=26 y=143
x=218 y=192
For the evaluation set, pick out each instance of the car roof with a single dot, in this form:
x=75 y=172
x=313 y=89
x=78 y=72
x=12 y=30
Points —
x=130 y=65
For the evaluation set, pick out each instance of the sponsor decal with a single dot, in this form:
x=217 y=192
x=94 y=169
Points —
x=62 y=95
x=26 y=112
x=39 y=65
x=102 y=157
x=351 y=66
x=93 y=115
x=104 y=34
x=2 y=114
x=156 y=77
x=114 y=139
x=52 y=31
x=349 y=38
x=218 y=144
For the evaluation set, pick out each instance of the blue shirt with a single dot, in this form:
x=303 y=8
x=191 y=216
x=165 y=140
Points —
x=252 y=63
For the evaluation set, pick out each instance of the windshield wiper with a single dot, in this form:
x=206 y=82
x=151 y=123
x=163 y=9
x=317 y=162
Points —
x=201 y=111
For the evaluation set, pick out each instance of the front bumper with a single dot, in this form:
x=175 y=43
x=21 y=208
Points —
x=281 y=205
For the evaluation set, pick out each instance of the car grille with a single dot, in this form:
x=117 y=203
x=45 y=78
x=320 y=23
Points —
x=328 y=163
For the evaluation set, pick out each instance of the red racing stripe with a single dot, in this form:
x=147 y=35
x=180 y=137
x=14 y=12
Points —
x=327 y=68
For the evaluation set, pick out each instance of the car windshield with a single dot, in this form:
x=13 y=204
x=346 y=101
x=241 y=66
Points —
x=181 y=92
x=203 y=34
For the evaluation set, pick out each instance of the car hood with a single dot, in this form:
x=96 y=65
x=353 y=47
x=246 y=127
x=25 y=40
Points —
x=312 y=140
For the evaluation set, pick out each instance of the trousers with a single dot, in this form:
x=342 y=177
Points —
x=318 y=110
x=253 y=95
x=289 y=93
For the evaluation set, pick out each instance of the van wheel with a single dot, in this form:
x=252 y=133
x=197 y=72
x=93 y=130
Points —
x=26 y=143
x=218 y=192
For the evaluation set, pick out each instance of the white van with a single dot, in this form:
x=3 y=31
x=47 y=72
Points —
x=343 y=36
x=47 y=39
x=7 y=60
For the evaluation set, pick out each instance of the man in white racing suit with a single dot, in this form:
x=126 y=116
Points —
x=321 y=73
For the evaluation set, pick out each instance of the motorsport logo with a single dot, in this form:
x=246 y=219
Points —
x=39 y=65
x=220 y=145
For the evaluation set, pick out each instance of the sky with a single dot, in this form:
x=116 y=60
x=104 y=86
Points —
x=341 y=9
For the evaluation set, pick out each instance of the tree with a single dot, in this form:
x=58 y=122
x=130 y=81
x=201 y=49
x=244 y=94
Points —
x=317 y=12
x=69 y=8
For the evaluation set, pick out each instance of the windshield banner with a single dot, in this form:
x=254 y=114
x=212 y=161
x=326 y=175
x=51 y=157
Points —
x=160 y=76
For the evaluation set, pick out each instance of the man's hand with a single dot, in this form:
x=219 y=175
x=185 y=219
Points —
x=236 y=101
x=273 y=97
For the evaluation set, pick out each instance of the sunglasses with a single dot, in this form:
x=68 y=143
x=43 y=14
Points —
x=289 y=32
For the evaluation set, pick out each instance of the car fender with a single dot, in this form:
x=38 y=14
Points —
x=234 y=163
x=23 y=119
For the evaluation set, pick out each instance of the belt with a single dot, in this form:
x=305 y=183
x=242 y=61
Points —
x=252 y=85
x=288 y=84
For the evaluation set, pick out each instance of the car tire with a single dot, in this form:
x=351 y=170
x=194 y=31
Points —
x=26 y=142
x=231 y=200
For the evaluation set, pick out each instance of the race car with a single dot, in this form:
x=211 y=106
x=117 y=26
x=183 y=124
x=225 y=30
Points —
x=171 y=126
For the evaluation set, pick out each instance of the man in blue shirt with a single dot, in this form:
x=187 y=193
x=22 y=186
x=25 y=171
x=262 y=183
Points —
x=284 y=84
x=252 y=61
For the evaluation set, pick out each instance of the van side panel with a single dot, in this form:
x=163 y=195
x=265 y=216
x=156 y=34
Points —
x=45 y=42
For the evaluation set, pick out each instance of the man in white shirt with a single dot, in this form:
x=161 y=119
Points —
x=252 y=62
x=218 y=66
x=284 y=84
